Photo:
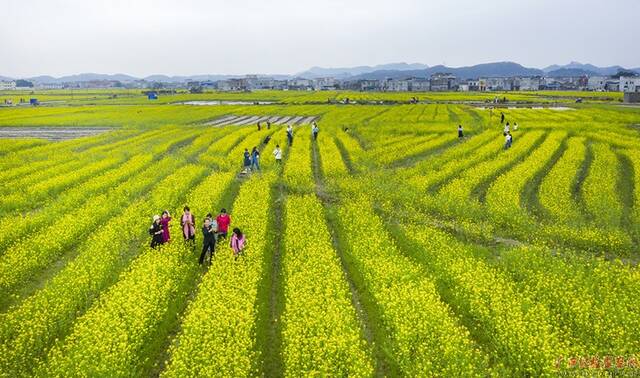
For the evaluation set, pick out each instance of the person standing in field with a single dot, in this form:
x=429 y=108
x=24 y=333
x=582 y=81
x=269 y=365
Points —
x=501 y=117
x=255 y=159
x=237 y=242
x=506 y=129
x=515 y=126
x=268 y=125
x=315 y=131
x=208 y=240
x=259 y=127
x=507 y=141
x=156 y=232
x=164 y=222
x=188 y=224
x=290 y=135
x=460 y=133
x=224 y=220
x=213 y=222
x=247 y=160
x=277 y=153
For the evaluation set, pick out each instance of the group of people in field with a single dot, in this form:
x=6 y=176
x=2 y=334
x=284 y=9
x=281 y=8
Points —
x=508 y=137
x=251 y=159
x=214 y=230
x=506 y=132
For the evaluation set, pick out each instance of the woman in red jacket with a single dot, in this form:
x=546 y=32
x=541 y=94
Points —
x=224 y=220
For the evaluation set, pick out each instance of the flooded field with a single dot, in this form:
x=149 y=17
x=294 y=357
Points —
x=274 y=120
x=223 y=102
x=51 y=133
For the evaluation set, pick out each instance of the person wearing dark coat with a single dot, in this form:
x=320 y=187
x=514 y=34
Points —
x=209 y=240
x=156 y=232
x=290 y=135
x=247 y=160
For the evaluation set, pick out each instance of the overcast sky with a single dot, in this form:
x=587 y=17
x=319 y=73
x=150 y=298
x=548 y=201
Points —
x=187 y=37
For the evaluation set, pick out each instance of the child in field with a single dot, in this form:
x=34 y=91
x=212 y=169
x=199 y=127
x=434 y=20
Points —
x=164 y=222
x=223 y=220
x=209 y=240
x=156 y=232
x=188 y=224
x=213 y=222
x=237 y=243
x=278 y=154
x=507 y=141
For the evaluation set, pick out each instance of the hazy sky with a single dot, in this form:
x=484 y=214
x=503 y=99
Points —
x=185 y=37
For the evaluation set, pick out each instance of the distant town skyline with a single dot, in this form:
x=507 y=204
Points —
x=142 y=38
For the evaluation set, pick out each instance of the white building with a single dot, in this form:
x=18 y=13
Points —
x=300 y=83
x=629 y=84
x=325 y=83
x=392 y=85
x=419 y=84
x=7 y=85
x=530 y=83
x=497 y=84
x=597 y=83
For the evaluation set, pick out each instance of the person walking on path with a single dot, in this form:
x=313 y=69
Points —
x=156 y=232
x=164 y=222
x=507 y=141
x=208 y=240
x=315 y=131
x=277 y=153
x=237 y=242
x=255 y=159
x=188 y=224
x=460 y=133
x=247 y=160
x=223 y=220
x=290 y=135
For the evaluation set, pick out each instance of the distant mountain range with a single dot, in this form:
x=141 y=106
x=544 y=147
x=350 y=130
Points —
x=611 y=70
x=383 y=71
x=501 y=69
x=347 y=72
x=128 y=78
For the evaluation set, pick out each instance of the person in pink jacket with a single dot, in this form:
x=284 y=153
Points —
x=188 y=224
x=237 y=243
